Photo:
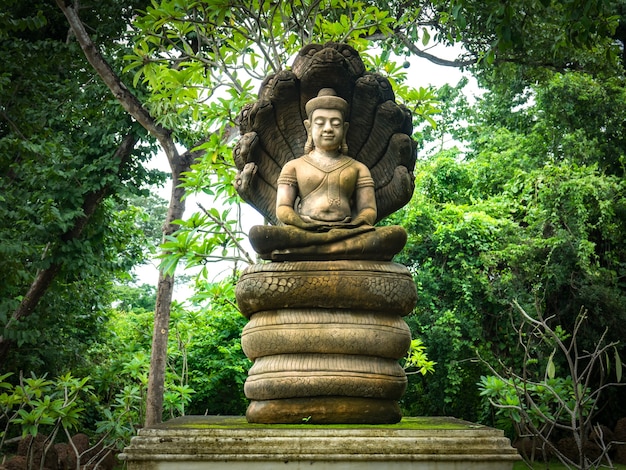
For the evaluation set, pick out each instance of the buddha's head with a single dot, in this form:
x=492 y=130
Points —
x=326 y=124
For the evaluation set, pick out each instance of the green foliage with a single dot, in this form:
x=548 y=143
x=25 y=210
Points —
x=73 y=310
x=37 y=404
x=416 y=358
x=452 y=108
x=206 y=366
x=62 y=211
x=69 y=404
x=545 y=33
x=217 y=365
x=133 y=298
x=211 y=234
x=545 y=401
x=558 y=387
x=204 y=237
x=532 y=209
x=120 y=365
x=201 y=60
x=186 y=51
x=422 y=102
x=558 y=242
x=10 y=24
x=573 y=253
x=582 y=121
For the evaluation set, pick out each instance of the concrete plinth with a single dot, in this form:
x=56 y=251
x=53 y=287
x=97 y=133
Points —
x=214 y=442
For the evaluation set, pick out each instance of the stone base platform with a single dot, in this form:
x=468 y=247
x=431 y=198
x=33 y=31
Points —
x=223 y=442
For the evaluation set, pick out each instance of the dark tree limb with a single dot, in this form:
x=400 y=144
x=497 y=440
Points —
x=126 y=98
x=410 y=45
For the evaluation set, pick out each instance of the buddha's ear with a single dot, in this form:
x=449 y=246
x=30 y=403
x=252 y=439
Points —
x=308 y=146
x=345 y=128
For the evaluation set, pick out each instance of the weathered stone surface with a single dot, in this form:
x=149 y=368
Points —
x=325 y=329
x=329 y=331
x=285 y=243
x=312 y=375
x=324 y=410
x=212 y=442
x=362 y=285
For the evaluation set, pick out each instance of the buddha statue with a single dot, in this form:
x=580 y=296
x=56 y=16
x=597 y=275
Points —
x=325 y=153
x=325 y=199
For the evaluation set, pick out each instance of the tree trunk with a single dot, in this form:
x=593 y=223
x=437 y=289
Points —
x=158 y=354
x=176 y=208
x=178 y=164
x=165 y=290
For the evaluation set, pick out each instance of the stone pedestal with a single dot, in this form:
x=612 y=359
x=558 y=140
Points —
x=325 y=338
x=206 y=442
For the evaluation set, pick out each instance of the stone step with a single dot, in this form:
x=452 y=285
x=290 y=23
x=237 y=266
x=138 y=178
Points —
x=221 y=442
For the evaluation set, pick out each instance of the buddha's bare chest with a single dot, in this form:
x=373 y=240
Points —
x=338 y=180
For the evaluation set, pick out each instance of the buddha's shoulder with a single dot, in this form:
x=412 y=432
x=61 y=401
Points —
x=359 y=165
x=291 y=165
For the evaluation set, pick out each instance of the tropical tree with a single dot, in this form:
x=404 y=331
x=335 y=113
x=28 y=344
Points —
x=531 y=210
x=69 y=158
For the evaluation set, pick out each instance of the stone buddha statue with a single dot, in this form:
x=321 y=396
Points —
x=325 y=331
x=326 y=199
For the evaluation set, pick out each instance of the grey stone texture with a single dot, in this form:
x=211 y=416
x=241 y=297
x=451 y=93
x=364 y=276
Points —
x=229 y=443
x=325 y=338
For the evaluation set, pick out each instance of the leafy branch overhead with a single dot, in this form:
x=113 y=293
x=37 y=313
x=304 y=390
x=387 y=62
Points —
x=185 y=52
x=194 y=54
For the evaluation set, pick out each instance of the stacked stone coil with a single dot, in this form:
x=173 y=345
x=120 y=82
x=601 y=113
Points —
x=325 y=338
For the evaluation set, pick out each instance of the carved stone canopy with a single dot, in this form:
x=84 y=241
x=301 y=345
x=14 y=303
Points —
x=273 y=132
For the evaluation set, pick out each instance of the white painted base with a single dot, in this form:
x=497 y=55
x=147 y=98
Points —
x=212 y=442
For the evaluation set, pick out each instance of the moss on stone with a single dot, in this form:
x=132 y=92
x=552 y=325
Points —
x=239 y=422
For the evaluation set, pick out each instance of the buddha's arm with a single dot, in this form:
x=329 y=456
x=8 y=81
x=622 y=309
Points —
x=366 y=207
x=285 y=200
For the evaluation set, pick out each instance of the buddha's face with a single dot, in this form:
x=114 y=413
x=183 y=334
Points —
x=327 y=129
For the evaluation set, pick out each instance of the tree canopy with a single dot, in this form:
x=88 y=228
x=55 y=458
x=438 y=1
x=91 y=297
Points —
x=69 y=157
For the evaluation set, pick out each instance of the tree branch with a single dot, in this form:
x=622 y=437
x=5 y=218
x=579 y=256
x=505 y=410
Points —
x=126 y=98
x=230 y=234
x=434 y=59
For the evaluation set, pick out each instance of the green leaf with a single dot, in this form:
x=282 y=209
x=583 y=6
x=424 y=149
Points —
x=425 y=37
x=490 y=57
x=618 y=365
x=550 y=367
